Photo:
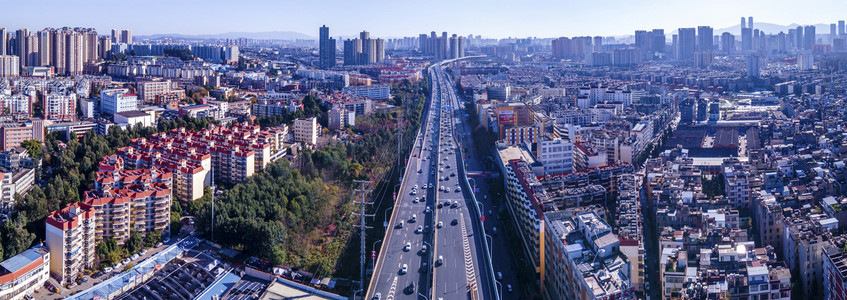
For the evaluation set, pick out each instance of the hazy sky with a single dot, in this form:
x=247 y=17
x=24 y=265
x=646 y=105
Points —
x=393 y=18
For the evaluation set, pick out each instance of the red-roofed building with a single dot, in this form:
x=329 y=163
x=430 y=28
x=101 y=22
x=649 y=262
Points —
x=70 y=236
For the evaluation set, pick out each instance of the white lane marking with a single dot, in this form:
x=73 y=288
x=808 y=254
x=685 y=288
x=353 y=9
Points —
x=470 y=272
x=392 y=290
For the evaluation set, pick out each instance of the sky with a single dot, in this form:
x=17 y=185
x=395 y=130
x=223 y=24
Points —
x=397 y=18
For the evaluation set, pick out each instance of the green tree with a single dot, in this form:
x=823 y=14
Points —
x=135 y=243
x=33 y=147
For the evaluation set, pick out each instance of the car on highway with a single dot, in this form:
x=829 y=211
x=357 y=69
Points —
x=440 y=224
x=455 y=221
x=410 y=289
x=458 y=189
x=413 y=219
x=417 y=199
x=509 y=288
x=400 y=224
x=423 y=250
x=440 y=260
x=408 y=247
x=499 y=276
x=377 y=296
x=404 y=269
x=428 y=210
x=419 y=230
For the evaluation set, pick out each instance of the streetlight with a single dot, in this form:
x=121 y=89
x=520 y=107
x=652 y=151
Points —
x=500 y=291
x=422 y=295
x=373 y=259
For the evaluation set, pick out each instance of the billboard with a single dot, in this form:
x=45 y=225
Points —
x=506 y=117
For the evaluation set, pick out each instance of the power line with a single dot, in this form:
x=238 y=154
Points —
x=362 y=227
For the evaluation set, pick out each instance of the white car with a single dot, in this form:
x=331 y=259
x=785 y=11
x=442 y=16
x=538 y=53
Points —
x=440 y=224
x=408 y=247
x=428 y=210
x=405 y=268
x=419 y=230
x=458 y=190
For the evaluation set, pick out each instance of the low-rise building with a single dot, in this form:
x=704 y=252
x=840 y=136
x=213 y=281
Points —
x=23 y=274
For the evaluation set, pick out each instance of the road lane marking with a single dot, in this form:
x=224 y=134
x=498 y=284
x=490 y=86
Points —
x=392 y=289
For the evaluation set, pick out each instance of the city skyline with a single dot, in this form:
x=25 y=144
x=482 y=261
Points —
x=494 y=19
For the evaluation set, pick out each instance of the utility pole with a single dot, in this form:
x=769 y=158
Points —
x=362 y=227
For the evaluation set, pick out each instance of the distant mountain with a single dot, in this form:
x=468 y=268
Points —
x=771 y=28
x=269 y=35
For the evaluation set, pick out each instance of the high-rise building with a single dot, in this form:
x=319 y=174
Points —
x=20 y=45
x=747 y=39
x=74 y=53
x=840 y=27
x=59 y=39
x=364 y=50
x=44 y=45
x=104 y=46
x=750 y=22
x=4 y=41
x=326 y=48
x=832 y=32
x=454 y=46
x=800 y=39
x=743 y=23
x=598 y=44
x=808 y=37
x=705 y=38
x=687 y=44
x=727 y=43
x=116 y=36
x=31 y=50
x=753 y=65
x=70 y=237
x=10 y=66
x=126 y=36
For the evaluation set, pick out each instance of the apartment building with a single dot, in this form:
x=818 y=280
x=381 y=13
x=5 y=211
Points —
x=231 y=154
x=23 y=274
x=149 y=90
x=306 y=130
x=60 y=107
x=582 y=259
x=126 y=201
x=340 y=118
x=737 y=184
x=555 y=154
x=13 y=134
x=70 y=238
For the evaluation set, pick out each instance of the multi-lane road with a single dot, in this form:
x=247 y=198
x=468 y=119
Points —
x=434 y=247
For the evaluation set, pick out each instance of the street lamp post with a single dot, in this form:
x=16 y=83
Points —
x=373 y=248
x=385 y=217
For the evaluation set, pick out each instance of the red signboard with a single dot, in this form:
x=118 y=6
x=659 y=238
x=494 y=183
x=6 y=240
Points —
x=373 y=254
x=506 y=117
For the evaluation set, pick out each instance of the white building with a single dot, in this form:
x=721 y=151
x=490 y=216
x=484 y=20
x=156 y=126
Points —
x=10 y=65
x=377 y=91
x=86 y=106
x=22 y=274
x=135 y=117
x=306 y=130
x=340 y=118
x=117 y=100
x=556 y=155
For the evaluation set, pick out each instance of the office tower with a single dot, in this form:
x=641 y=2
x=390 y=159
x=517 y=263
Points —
x=809 y=37
x=800 y=39
x=20 y=45
x=840 y=27
x=727 y=43
x=104 y=46
x=750 y=22
x=687 y=43
x=4 y=41
x=326 y=49
x=705 y=37
x=74 y=56
x=10 y=66
x=747 y=39
x=753 y=65
x=743 y=23
x=126 y=36
x=116 y=37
